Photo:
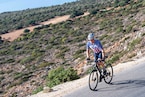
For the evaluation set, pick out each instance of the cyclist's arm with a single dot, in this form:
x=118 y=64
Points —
x=88 y=53
x=88 y=50
x=103 y=51
x=103 y=54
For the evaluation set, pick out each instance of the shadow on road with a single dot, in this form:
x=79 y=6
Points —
x=122 y=85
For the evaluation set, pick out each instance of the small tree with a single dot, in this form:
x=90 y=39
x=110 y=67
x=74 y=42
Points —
x=76 y=13
x=94 y=11
x=26 y=30
x=1 y=41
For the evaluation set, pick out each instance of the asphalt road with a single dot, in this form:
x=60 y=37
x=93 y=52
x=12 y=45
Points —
x=128 y=83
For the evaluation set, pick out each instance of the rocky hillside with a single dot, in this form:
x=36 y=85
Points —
x=25 y=63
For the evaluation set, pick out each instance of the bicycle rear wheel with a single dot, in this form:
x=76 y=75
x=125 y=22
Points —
x=93 y=80
x=109 y=74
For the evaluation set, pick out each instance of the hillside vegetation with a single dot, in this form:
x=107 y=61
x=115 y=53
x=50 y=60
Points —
x=32 y=61
x=10 y=21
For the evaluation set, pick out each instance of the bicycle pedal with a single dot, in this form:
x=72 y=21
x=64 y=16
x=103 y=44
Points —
x=100 y=80
x=101 y=77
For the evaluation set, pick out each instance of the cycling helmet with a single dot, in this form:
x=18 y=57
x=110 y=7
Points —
x=90 y=36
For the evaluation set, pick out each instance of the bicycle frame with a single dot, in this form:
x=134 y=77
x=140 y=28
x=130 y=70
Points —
x=97 y=73
x=96 y=67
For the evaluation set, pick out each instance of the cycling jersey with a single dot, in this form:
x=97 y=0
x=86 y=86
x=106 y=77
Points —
x=96 y=46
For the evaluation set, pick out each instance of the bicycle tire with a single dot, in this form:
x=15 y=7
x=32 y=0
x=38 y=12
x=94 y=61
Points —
x=93 y=80
x=109 y=74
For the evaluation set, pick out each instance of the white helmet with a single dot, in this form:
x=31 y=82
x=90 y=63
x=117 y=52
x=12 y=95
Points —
x=90 y=36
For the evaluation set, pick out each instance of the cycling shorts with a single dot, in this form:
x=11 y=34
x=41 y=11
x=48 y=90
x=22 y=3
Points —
x=97 y=55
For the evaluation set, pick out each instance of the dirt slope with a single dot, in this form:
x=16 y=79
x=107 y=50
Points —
x=15 y=34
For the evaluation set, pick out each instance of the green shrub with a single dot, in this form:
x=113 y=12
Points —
x=120 y=29
x=61 y=75
x=103 y=36
x=2 y=72
x=78 y=39
x=94 y=11
x=26 y=30
x=76 y=13
x=1 y=41
x=40 y=88
x=113 y=59
x=81 y=44
x=128 y=29
x=7 y=61
x=10 y=61
x=60 y=55
x=37 y=53
x=61 y=52
x=78 y=54
x=143 y=34
x=80 y=51
x=64 y=49
x=27 y=60
x=44 y=64
x=1 y=78
x=18 y=75
x=134 y=42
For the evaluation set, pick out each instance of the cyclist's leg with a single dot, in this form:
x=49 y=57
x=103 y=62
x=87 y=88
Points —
x=100 y=55
x=95 y=57
x=101 y=64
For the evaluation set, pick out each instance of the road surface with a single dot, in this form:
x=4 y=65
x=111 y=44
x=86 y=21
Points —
x=127 y=83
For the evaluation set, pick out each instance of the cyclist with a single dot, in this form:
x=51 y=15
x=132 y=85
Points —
x=96 y=46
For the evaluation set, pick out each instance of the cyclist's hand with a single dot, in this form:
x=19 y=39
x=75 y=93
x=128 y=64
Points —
x=103 y=59
x=88 y=59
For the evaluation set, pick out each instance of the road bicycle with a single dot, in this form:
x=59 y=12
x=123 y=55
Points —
x=97 y=74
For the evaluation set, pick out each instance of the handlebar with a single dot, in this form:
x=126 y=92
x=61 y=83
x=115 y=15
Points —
x=89 y=60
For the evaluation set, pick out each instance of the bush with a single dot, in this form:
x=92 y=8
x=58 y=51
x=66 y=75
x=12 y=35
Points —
x=143 y=34
x=26 y=30
x=121 y=2
x=113 y=59
x=79 y=54
x=76 y=13
x=1 y=41
x=128 y=29
x=60 y=55
x=45 y=64
x=27 y=60
x=10 y=61
x=103 y=36
x=40 y=88
x=120 y=29
x=61 y=75
x=94 y=11
x=134 y=43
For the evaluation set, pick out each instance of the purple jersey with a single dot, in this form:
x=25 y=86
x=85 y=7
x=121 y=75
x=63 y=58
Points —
x=96 y=46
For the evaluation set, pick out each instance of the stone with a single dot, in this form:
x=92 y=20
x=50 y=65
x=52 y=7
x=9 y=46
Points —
x=47 y=89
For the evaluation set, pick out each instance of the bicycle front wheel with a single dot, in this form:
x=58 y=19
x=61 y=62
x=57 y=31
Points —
x=93 y=80
x=109 y=74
